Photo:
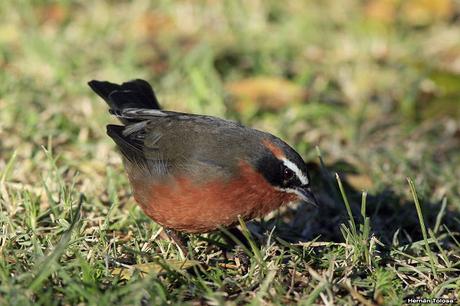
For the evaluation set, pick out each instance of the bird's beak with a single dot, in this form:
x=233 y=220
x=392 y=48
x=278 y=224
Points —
x=307 y=195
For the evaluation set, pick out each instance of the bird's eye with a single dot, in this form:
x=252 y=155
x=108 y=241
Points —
x=288 y=174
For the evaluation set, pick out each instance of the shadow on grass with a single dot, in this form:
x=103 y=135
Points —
x=393 y=217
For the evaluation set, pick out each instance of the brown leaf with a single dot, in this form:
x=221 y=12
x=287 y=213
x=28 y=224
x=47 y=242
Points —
x=152 y=23
x=423 y=12
x=268 y=93
x=54 y=13
x=381 y=10
x=153 y=268
x=413 y=12
x=359 y=181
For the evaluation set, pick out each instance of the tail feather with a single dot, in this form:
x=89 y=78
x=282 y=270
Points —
x=144 y=92
x=132 y=94
x=103 y=89
x=122 y=99
x=138 y=95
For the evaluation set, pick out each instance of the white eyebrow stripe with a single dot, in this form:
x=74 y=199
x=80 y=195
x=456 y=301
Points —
x=303 y=179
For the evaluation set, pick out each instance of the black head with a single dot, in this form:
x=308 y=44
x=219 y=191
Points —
x=285 y=170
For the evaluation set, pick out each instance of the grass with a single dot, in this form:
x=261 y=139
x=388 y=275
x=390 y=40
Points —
x=367 y=90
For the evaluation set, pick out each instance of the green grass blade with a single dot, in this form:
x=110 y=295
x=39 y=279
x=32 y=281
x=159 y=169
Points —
x=422 y=226
x=347 y=205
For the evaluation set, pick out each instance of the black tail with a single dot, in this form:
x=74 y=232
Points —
x=132 y=94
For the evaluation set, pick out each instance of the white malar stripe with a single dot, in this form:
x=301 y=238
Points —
x=294 y=191
x=302 y=178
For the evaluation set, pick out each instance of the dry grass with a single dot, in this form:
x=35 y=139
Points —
x=375 y=86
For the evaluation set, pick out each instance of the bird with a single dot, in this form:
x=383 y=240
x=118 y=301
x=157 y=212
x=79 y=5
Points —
x=194 y=173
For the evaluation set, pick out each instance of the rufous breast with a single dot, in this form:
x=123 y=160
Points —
x=187 y=205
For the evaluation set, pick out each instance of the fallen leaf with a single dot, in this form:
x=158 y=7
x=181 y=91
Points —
x=424 y=12
x=153 y=267
x=381 y=10
x=54 y=14
x=413 y=12
x=359 y=181
x=267 y=93
x=449 y=59
x=152 y=23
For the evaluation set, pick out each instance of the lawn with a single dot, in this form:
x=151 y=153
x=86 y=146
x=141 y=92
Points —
x=368 y=92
